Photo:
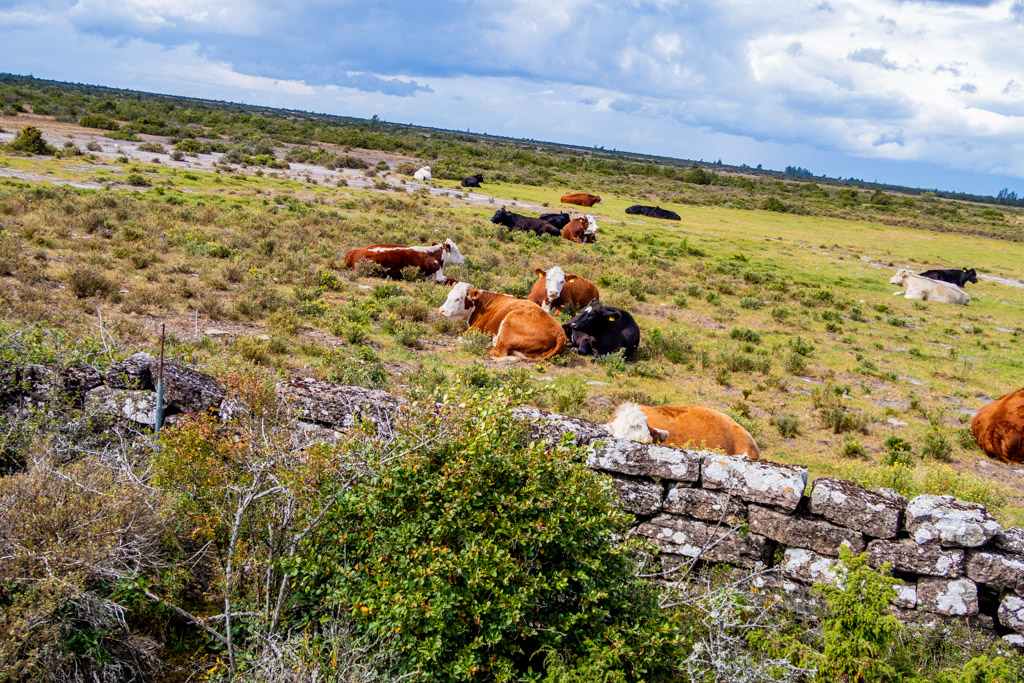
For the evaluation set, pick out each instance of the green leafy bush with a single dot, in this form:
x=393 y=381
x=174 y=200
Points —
x=30 y=141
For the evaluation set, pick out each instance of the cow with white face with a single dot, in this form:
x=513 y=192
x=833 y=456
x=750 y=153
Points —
x=519 y=329
x=423 y=174
x=683 y=426
x=590 y=236
x=926 y=289
x=393 y=258
x=555 y=290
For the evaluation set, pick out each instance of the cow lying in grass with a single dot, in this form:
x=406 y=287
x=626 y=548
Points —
x=683 y=426
x=516 y=221
x=424 y=174
x=952 y=276
x=600 y=329
x=556 y=289
x=653 y=212
x=581 y=199
x=999 y=427
x=917 y=287
x=519 y=329
x=394 y=258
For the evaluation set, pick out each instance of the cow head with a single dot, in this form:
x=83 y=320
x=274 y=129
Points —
x=899 y=277
x=970 y=275
x=554 y=280
x=629 y=422
x=591 y=231
x=450 y=255
x=501 y=216
x=598 y=201
x=460 y=302
x=593 y=317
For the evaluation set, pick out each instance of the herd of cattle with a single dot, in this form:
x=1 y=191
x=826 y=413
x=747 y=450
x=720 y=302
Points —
x=525 y=329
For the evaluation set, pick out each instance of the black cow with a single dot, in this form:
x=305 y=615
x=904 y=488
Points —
x=515 y=221
x=473 y=180
x=602 y=329
x=957 y=277
x=653 y=212
x=559 y=220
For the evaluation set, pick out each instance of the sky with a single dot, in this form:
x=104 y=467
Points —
x=923 y=94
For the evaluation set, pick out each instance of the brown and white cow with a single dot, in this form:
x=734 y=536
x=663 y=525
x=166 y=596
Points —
x=519 y=329
x=683 y=426
x=393 y=258
x=556 y=289
x=581 y=199
x=999 y=427
x=576 y=230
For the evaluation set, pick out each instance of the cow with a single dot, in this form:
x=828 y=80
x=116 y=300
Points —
x=999 y=428
x=556 y=289
x=393 y=258
x=559 y=220
x=603 y=329
x=581 y=199
x=473 y=180
x=590 y=235
x=515 y=221
x=953 y=276
x=519 y=329
x=423 y=174
x=925 y=289
x=653 y=212
x=576 y=229
x=682 y=426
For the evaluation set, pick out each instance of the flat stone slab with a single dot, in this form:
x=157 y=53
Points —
x=755 y=481
x=950 y=522
x=907 y=556
x=997 y=570
x=711 y=506
x=874 y=513
x=708 y=541
x=338 y=405
x=639 y=496
x=1011 y=612
x=808 y=566
x=1010 y=540
x=802 y=532
x=131 y=373
x=185 y=389
x=952 y=597
x=125 y=404
x=645 y=460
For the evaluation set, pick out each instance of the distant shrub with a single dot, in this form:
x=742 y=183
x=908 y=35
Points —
x=30 y=141
x=751 y=302
x=746 y=335
x=137 y=180
x=774 y=204
x=123 y=134
x=405 y=168
x=86 y=281
x=98 y=121
x=475 y=342
x=852 y=448
x=788 y=426
x=152 y=147
x=357 y=365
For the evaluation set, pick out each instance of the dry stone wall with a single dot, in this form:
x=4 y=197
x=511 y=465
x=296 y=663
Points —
x=953 y=556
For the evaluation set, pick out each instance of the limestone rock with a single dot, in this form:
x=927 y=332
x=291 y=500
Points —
x=953 y=597
x=1014 y=639
x=645 y=460
x=1010 y=540
x=38 y=381
x=996 y=570
x=801 y=532
x=906 y=596
x=639 y=496
x=874 y=513
x=949 y=522
x=187 y=390
x=131 y=373
x=907 y=556
x=231 y=409
x=755 y=481
x=712 y=506
x=125 y=404
x=711 y=542
x=808 y=566
x=338 y=405
x=550 y=427
x=76 y=380
x=1011 y=612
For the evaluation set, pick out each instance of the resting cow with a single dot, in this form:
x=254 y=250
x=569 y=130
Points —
x=653 y=212
x=556 y=289
x=393 y=258
x=559 y=220
x=917 y=287
x=953 y=276
x=423 y=174
x=473 y=180
x=999 y=427
x=682 y=426
x=601 y=329
x=576 y=229
x=519 y=329
x=515 y=221
x=581 y=199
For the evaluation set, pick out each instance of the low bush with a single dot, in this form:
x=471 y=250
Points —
x=30 y=141
x=788 y=426
x=86 y=281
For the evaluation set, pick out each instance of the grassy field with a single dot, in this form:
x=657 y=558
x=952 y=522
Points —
x=784 y=320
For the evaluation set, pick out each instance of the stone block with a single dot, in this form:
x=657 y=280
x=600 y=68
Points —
x=907 y=556
x=187 y=390
x=1010 y=540
x=123 y=404
x=808 y=566
x=131 y=373
x=755 y=481
x=76 y=380
x=338 y=405
x=645 y=460
x=906 y=595
x=550 y=427
x=952 y=597
x=712 y=506
x=802 y=532
x=950 y=522
x=639 y=496
x=875 y=513
x=993 y=569
x=1011 y=612
x=708 y=541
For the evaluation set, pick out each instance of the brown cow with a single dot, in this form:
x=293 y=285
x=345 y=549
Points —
x=576 y=230
x=581 y=199
x=554 y=290
x=999 y=427
x=683 y=426
x=519 y=329
x=393 y=258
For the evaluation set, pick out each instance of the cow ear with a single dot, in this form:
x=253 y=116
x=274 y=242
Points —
x=538 y=272
x=472 y=295
x=657 y=435
x=447 y=247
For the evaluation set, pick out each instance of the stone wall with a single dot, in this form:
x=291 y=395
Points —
x=954 y=558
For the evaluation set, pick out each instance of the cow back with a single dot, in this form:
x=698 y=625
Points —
x=999 y=428
x=702 y=427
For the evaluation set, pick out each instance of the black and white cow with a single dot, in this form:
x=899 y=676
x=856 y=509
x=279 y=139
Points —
x=515 y=221
x=601 y=329
x=473 y=180
x=953 y=276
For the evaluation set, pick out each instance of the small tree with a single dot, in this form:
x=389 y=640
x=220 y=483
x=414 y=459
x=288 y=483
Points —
x=30 y=141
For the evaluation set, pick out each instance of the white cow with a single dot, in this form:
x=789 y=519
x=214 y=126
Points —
x=925 y=289
x=423 y=174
